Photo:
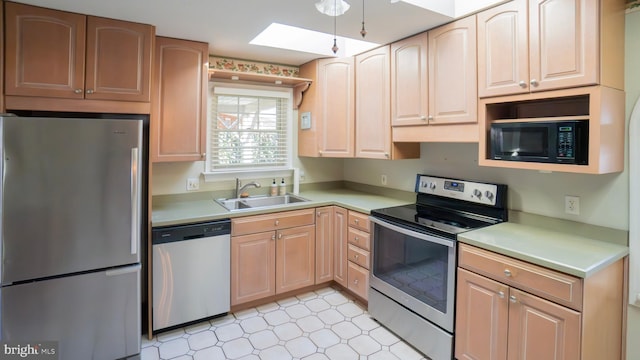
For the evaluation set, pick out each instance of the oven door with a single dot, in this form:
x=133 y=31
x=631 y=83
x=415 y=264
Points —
x=416 y=270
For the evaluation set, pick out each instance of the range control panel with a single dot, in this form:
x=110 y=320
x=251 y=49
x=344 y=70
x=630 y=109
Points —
x=481 y=193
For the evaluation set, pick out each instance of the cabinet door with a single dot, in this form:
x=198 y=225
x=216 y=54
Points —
x=409 y=81
x=178 y=117
x=118 y=60
x=540 y=329
x=452 y=73
x=337 y=111
x=482 y=320
x=324 y=244
x=373 y=114
x=563 y=43
x=503 y=50
x=295 y=258
x=45 y=52
x=252 y=267
x=340 y=227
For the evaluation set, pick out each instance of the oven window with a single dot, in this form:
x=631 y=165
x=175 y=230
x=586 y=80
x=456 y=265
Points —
x=415 y=266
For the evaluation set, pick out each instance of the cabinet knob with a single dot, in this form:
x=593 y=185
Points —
x=355 y=281
x=318 y=214
x=501 y=294
x=357 y=221
x=273 y=237
x=423 y=118
x=320 y=153
x=277 y=222
x=357 y=239
x=77 y=91
x=279 y=236
x=523 y=84
x=533 y=82
x=203 y=155
x=513 y=299
x=355 y=257
x=507 y=272
x=430 y=118
x=89 y=91
x=386 y=155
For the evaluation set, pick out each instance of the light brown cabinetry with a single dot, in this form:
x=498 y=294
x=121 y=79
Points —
x=409 y=98
x=271 y=254
x=601 y=106
x=358 y=253
x=329 y=102
x=179 y=101
x=340 y=233
x=543 y=45
x=56 y=54
x=324 y=244
x=452 y=85
x=373 y=109
x=511 y=309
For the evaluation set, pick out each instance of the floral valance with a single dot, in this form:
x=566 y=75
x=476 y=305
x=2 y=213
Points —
x=246 y=66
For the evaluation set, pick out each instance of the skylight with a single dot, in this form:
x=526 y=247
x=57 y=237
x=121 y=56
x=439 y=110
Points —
x=299 y=39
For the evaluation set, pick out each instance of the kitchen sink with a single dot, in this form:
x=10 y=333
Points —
x=257 y=202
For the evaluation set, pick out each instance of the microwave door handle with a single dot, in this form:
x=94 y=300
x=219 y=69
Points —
x=412 y=233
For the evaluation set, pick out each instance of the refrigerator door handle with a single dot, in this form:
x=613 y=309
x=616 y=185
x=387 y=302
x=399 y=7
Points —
x=134 y=200
x=123 y=270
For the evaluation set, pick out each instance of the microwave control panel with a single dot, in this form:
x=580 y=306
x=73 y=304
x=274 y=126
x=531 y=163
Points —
x=566 y=141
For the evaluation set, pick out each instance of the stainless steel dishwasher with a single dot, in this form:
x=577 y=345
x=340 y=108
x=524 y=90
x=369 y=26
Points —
x=191 y=272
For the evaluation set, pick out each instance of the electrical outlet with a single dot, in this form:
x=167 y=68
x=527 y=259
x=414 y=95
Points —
x=383 y=179
x=193 y=184
x=572 y=205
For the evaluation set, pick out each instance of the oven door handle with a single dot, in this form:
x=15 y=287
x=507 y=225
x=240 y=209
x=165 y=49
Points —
x=412 y=233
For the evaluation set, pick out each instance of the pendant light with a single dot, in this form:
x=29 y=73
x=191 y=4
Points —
x=332 y=7
x=334 y=48
x=363 y=32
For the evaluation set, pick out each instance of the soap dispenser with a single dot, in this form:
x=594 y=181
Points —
x=274 y=188
x=282 y=189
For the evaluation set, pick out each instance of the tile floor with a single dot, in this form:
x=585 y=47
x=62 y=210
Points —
x=325 y=324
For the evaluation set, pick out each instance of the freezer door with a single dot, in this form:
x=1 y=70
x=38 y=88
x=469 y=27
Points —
x=91 y=316
x=70 y=195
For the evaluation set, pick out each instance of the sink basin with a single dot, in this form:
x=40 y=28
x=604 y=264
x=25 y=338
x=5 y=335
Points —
x=254 y=202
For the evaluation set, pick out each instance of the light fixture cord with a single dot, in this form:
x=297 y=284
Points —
x=363 y=32
x=334 y=48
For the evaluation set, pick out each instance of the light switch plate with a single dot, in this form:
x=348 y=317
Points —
x=305 y=120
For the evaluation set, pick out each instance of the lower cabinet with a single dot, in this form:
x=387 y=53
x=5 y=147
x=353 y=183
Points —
x=510 y=309
x=358 y=253
x=272 y=254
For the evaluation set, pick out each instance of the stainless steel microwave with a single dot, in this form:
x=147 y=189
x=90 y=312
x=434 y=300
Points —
x=562 y=142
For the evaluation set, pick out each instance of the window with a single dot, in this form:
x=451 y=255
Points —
x=249 y=129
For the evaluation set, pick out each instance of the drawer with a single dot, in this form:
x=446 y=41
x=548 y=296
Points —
x=273 y=221
x=552 y=285
x=358 y=280
x=359 y=238
x=358 y=256
x=359 y=221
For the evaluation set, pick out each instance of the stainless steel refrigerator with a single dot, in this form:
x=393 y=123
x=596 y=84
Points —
x=70 y=231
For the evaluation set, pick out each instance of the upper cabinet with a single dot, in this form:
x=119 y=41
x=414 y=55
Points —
x=409 y=98
x=179 y=102
x=569 y=43
x=453 y=92
x=440 y=92
x=61 y=55
x=329 y=107
x=373 y=109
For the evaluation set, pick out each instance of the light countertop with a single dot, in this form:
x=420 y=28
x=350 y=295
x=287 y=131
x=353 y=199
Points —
x=570 y=247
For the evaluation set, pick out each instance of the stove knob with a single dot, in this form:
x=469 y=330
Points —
x=432 y=186
x=477 y=193
x=488 y=194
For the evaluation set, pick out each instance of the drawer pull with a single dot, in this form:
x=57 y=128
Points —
x=355 y=256
x=357 y=239
x=355 y=281
x=277 y=222
x=513 y=299
x=507 y=272
x=501 y=294
x=357 y=221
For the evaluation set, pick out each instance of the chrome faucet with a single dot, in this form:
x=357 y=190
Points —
x=240 y=188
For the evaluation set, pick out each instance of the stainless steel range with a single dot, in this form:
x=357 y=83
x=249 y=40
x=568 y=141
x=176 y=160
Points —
x=413 y=277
